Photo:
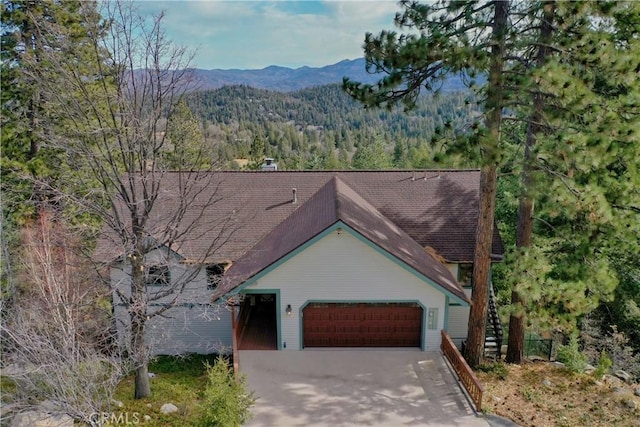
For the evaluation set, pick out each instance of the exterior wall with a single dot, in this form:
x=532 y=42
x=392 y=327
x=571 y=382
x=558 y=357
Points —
x=345 y=268
x=453 y=268
x=458 y=322
x=192 y=326
x=458 y=316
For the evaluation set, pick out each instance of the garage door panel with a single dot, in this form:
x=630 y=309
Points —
x=362 y=325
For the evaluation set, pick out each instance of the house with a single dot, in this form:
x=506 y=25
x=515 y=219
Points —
x=318 y=259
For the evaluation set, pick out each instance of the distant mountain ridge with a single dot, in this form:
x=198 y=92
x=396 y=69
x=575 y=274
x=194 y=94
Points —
x=285 y=79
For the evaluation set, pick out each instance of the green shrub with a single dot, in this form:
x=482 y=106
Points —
x=225 y=400
x=498 y=369
x=571 y=356
x=604 y=364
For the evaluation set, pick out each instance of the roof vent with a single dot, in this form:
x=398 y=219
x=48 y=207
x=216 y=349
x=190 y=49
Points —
x=294 y=200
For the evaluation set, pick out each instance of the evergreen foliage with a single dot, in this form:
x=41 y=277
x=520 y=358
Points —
x=439 y=39
x=564 y=81
x=571 y=356
x=225 y=400
x=321 y=127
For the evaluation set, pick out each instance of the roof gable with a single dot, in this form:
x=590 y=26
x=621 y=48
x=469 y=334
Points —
x=337 y=202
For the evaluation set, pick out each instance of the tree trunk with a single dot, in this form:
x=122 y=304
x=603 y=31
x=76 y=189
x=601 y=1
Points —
x=524 y=232
x=488 y=183
x=143 y=388
x=474 y=348
x=137 y=312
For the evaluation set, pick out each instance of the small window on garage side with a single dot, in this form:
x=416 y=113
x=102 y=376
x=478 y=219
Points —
x=432 y=318
x=465 y=274
x=214 y=275
x=158 y=275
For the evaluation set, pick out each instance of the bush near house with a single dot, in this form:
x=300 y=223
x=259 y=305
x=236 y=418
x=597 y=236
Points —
x=203 y=388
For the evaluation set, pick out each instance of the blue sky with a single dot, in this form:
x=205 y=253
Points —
x=254 y=34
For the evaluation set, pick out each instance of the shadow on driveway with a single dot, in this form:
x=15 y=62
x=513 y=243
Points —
x=355 y=388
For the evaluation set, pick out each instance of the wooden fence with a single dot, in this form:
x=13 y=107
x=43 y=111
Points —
x=464 y=372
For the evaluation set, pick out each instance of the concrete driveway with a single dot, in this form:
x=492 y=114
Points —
x=355 y=388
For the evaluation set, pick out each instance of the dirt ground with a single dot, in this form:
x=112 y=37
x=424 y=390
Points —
x=540 y=394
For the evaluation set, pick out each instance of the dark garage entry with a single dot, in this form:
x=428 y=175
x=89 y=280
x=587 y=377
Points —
x=362 y=325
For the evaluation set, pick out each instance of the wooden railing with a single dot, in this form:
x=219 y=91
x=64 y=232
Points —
x=464 y=372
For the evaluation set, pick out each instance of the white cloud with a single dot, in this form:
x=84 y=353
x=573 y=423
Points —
x=255 y=34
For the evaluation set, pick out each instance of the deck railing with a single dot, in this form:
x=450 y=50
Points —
x=464 y=372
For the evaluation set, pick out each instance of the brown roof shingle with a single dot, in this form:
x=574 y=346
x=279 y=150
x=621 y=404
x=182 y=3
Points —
x=334 y=202
x=435 y=208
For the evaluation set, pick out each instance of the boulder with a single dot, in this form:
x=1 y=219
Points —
x=41 y=419
x=631 y=404
x=620 y=390
x=547 y=382
x=636 y=391
x=624 y=376
x=168 y=408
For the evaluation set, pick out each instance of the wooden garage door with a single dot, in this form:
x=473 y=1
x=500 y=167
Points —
x=362 y=325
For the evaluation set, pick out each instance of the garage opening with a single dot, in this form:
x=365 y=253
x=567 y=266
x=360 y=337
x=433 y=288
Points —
x=362 y=325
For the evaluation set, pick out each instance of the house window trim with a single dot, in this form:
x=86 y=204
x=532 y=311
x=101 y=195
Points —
x=469 y=283
x=215 y=277
x=158 y=276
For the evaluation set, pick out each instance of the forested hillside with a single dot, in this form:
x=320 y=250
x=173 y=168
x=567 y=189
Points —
x=322 y=127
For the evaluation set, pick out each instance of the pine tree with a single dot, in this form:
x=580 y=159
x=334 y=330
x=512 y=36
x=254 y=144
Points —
x=578 y=148
x=452 y=37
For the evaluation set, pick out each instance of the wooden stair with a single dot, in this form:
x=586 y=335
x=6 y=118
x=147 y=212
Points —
x=494 y=334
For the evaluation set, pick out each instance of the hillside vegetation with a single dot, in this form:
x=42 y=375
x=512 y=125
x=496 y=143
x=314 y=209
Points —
x=541 y=394
x=322 y=127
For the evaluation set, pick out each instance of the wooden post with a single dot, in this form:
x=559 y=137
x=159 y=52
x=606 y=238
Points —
x=234 y=340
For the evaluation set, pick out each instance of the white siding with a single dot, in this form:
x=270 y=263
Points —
x=453 y=268
x=192 y=326
x=185 y=329
x=458 y=323
x=343 y=268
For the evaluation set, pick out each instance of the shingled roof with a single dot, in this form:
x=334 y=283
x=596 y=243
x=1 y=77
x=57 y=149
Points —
x=333 y=203
x=436 y=209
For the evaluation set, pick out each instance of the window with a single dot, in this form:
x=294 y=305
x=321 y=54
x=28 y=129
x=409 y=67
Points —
x=214 y=275
x=158 y=275
x=432 y=318
x=465 y=274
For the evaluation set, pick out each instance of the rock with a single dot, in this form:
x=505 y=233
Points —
x=624 y=376
x=496 y=399
x=613 y=380
x=151 y=375
x=149 y=405
x=49 y=406
x=559 y=364
x=41 y=419
x=589 y=369
x=631 y=404
x=117 y=403
x=620 y=390
x=168 y=408
x=547 y=382
x=636 y=391
x=6 y=409
x=147 y=418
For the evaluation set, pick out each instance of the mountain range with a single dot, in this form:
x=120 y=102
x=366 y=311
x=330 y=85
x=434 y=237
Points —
x=285 y=79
